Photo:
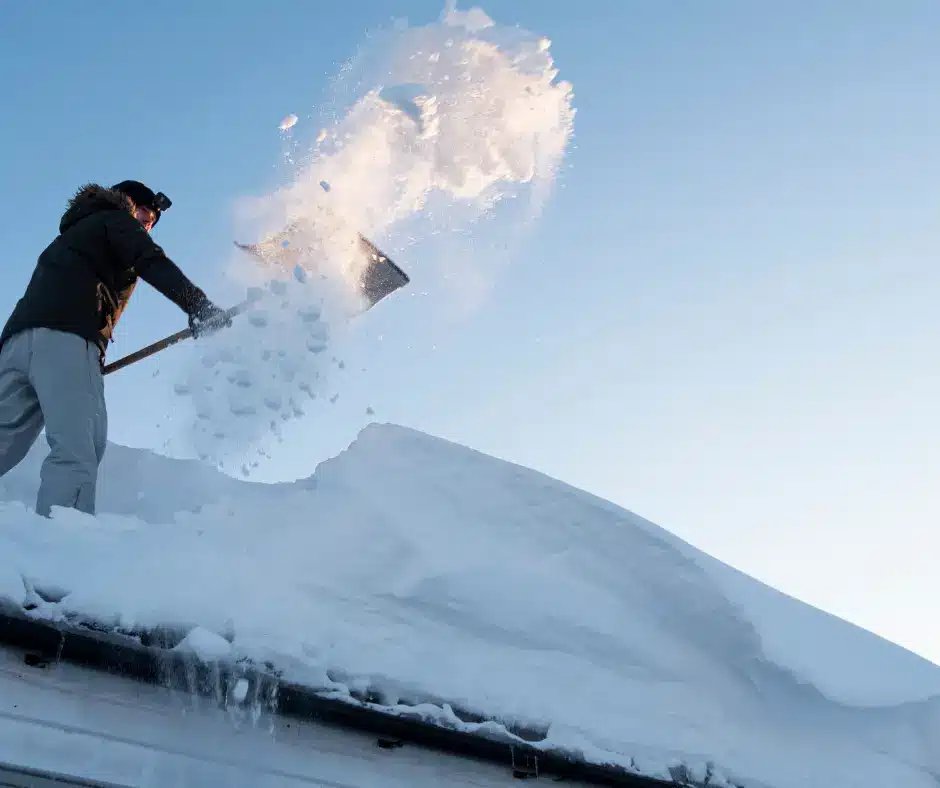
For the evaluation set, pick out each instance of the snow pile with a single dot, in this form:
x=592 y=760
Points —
x=461 y=115
x=428 y=572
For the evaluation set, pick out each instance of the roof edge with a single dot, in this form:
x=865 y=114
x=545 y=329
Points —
x=125 y=656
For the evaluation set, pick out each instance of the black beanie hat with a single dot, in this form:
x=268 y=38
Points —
x=144 y=195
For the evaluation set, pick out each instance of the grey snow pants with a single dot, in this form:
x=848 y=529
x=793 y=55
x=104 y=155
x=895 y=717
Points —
x=53 y=379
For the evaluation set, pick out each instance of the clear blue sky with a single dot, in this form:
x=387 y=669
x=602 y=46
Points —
x=726 y=321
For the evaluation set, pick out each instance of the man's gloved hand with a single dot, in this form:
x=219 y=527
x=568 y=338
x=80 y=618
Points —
x=207 y=318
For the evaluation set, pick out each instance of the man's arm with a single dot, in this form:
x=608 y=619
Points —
x=136 y=249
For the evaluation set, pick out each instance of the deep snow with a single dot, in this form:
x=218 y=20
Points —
x=426 y=570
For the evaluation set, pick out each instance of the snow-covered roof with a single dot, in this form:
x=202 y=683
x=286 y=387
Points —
x=428 y=576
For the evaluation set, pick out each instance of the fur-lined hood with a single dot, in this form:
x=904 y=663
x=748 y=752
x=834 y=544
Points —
x=90 y=199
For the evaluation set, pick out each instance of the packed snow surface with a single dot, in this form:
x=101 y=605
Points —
x=430 y=572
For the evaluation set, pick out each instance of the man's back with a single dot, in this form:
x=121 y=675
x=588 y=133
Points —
x=84 y=278
x=75 y=271
x=52 y=347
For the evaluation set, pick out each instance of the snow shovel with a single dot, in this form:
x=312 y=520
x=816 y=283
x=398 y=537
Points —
x=381 y=278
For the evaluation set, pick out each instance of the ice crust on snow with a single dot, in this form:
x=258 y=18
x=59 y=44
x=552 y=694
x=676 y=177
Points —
x=432 y=574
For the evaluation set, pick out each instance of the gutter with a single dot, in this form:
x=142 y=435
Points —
x=47 y=642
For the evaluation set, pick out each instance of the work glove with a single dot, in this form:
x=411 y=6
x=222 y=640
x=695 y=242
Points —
x=207 y=318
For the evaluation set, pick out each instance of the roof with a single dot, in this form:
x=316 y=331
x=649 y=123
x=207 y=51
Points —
x=61 y=650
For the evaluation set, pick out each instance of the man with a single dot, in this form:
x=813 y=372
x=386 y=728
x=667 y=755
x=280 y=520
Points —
x=52 y=348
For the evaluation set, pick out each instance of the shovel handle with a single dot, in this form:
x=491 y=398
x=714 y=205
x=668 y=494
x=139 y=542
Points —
x=164 y=343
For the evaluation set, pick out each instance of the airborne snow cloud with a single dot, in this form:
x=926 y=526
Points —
x=462 y=113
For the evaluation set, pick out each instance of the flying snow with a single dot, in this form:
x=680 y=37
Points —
x=288 y=123
x=410 y=99
x=462 y=112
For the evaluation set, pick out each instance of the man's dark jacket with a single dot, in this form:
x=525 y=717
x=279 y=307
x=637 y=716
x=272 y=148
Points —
x=85 y=277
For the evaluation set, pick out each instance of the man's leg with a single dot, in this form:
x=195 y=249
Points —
x=20 y=417
x=65 y=371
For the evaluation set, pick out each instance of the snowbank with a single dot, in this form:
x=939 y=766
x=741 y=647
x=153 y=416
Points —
x=422 y=569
